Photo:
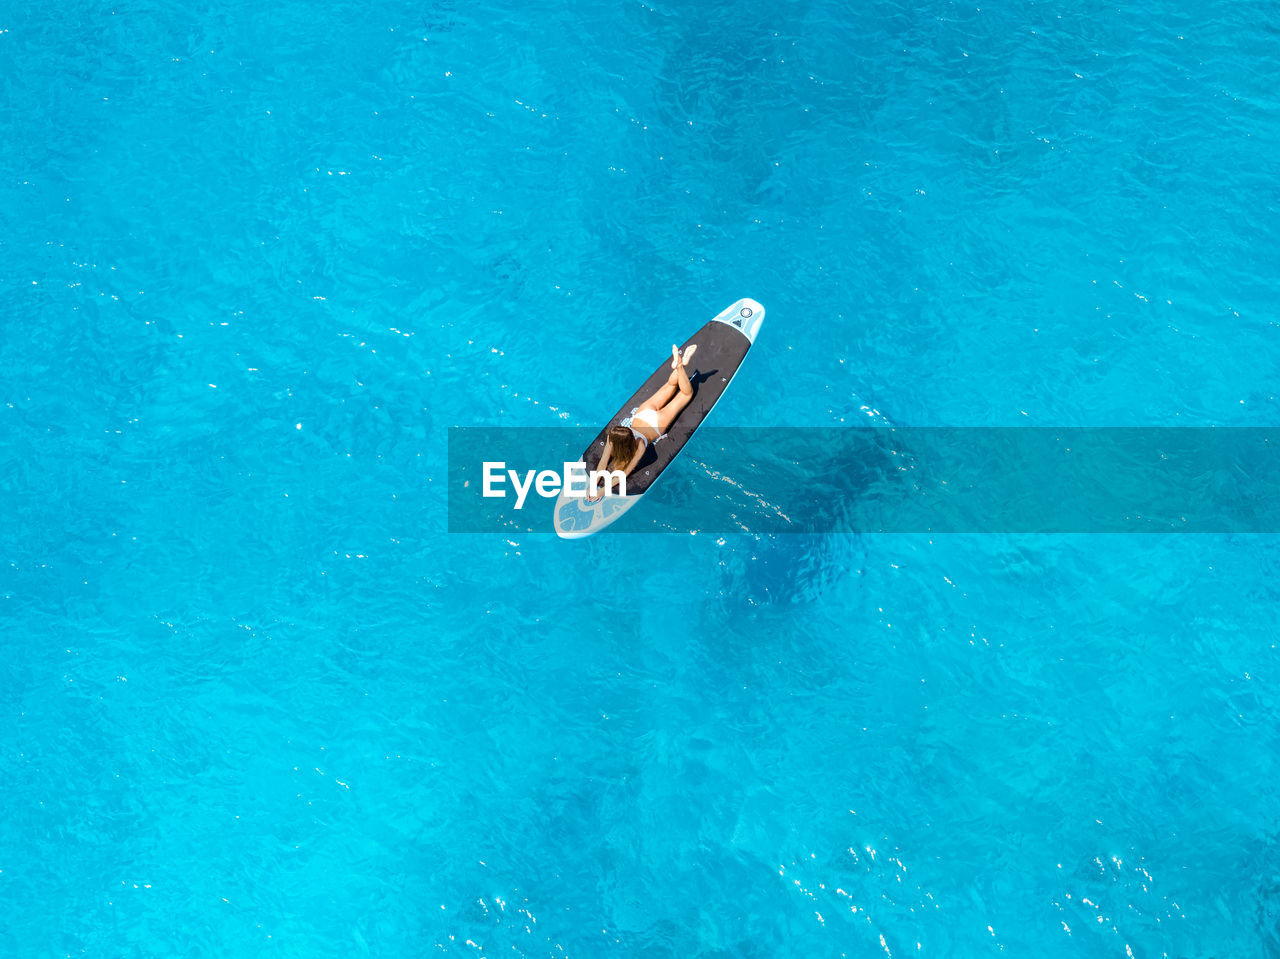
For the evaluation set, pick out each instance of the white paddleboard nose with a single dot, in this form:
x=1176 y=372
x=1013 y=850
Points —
x=746 y=315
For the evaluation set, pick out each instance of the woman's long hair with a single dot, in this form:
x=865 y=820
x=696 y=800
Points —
x=624 y=446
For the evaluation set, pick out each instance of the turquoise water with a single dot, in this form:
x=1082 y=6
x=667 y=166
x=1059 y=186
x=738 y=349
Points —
x=256 y=263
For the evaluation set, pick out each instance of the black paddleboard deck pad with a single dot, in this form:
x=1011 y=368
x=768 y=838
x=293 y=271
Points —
x=722 y=346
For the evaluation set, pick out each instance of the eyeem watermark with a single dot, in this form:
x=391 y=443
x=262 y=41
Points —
x=1021 y=480
x=575 y=481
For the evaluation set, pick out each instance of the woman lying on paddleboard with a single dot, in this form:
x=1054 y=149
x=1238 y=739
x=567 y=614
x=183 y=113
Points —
x=625 y=443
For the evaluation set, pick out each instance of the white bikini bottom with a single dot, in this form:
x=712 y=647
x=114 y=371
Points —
x=647 y=418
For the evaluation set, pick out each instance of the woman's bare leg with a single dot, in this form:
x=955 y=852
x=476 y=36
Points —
x=669 y=389
x=677 y=402
x=660 y=398
x=681 y=379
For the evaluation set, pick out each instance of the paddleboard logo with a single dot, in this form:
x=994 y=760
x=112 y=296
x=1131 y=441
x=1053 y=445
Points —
x=575 y=482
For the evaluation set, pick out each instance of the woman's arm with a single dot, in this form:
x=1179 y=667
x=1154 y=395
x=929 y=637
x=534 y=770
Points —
x=602 y=465
x=635 y=459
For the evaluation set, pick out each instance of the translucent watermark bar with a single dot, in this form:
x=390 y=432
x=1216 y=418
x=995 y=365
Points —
x=899 y=480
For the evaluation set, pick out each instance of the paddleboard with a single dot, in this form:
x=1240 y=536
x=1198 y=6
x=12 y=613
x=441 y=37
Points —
x=722 y=346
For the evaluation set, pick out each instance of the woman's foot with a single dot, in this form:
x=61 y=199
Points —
x=678 y=360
